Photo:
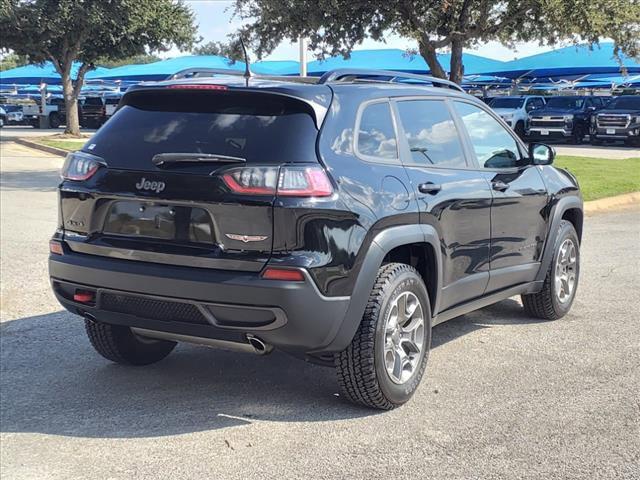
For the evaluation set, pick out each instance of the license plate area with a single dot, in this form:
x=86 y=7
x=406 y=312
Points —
x=159 y=221
x=611 y=131
x=544 y=132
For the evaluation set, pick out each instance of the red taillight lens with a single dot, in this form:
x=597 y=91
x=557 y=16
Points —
x=286 y=181
x=304 y=182
x=197 y=87
x=252 y=180
x=80 y=166
x=83 y=296
x=286 y=274
x=56 y=247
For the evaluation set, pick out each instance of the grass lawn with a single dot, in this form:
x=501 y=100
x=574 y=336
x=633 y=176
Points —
x=70 y=145
x=601 y=177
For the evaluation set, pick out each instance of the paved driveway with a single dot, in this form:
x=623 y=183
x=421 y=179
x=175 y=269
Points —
x=505 y=396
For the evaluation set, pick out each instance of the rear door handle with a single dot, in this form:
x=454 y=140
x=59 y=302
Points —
x=429 y=187
x=499 y=185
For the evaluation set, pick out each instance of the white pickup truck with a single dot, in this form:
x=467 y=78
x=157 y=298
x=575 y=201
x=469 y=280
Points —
x=515 y=110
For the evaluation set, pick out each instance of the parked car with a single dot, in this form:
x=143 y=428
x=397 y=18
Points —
x=619 y=120
x=12 y=115
x=3 y=117
x=565 y=118
x=337 y=221
x=92 y=112
x=54 y=109
x=515 y=110
x=111 y=104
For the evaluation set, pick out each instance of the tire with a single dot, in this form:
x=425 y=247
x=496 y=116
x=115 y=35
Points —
x=120 y=345
x=54 y=120
x=549 y=304
x=362 y=368
x=578 y=135
x=519 y=129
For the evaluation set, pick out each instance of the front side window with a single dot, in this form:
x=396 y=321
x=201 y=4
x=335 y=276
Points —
x=431 y=133
x=376 y=135
x=493 y=145
x=506 y=103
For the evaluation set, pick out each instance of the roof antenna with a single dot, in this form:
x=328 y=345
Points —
x=247 y=70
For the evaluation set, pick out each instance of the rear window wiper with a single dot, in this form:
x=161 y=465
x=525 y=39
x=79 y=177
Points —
x=165 y=159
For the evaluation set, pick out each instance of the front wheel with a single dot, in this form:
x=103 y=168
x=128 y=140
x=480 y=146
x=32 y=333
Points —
x=383 y=365
x=561 y=281
x=119 y=344
x=519 y=129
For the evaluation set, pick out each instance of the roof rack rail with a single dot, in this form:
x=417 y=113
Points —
x=204 y=72
x=211 y=72
x=354 y=74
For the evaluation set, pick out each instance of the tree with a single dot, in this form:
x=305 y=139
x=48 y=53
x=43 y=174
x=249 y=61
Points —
x=66 y=31
x=337 y=26
x=133 y=60
x=12 y=60
x=231 y=49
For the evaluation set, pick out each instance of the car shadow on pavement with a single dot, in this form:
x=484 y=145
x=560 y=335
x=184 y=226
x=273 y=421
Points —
x=31 y=180
x=52 y=382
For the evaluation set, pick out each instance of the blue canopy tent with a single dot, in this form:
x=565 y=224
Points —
x=276 y=67
x=399 y=60
x=165 y=68
x=36 y=74
x=569 y=63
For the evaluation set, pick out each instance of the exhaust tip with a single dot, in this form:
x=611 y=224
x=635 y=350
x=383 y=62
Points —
x=260 y=347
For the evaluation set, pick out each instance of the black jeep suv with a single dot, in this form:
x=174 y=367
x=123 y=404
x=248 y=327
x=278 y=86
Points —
x=619 y=120
x=563 y=118
x=338 y=221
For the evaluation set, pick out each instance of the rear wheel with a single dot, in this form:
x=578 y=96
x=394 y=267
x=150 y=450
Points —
x=383 y=365
x=54 y=120
x=119 y=344
x=561 y=281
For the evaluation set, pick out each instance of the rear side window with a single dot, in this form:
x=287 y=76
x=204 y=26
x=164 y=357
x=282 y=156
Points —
x=376 y=135
x=261 y=128
x=431 y=133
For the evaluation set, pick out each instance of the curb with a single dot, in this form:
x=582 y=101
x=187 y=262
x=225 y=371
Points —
x=612 y=203
x=38 y=146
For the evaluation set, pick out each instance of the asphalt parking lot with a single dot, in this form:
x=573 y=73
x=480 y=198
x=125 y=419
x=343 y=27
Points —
x=504 y=396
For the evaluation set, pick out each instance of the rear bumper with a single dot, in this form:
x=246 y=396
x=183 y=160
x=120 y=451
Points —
x=217 y=304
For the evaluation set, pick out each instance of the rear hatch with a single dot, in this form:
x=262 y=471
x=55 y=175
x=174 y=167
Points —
x=183 y=177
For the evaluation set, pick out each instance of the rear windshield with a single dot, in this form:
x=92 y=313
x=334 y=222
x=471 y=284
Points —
x=92 y=101
x=631 y=103
x=506 y=103
x=261 y=128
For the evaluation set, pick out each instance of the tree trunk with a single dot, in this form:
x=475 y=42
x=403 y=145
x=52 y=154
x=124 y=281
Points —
x=428 y=52
x=457 y=68
x=70 y=104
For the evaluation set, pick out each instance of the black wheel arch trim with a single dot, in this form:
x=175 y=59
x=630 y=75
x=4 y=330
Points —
x=558 y=210
x=382 y=244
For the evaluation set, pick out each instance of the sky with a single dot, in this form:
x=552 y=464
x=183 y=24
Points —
x=215 y=23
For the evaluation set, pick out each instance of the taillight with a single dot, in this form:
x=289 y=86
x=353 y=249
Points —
x=286 y=274
x=80 y=166
x=286 y=181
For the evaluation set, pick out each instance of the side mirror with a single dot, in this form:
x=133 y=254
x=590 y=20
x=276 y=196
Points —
x=541 y=154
